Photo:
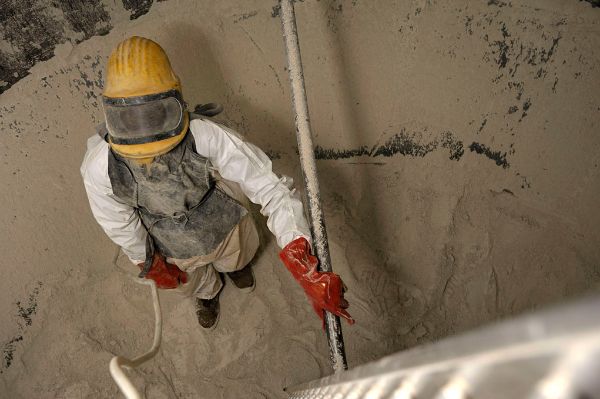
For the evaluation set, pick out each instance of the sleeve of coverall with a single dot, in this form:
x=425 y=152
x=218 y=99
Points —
x=119 y=221
x=247 y=165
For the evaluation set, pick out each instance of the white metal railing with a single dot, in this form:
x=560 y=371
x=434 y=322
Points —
x=553 y=354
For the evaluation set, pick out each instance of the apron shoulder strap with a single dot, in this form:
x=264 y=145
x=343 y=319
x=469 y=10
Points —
x=102 y=131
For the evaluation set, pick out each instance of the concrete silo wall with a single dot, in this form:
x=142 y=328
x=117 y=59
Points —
x=458 y=155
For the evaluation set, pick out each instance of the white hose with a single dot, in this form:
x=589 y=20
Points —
x=117 y=363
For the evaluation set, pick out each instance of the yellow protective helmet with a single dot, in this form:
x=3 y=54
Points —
x=142 y=100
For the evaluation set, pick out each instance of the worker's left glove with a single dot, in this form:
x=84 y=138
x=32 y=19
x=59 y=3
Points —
x=166 y=275
x=324 y=289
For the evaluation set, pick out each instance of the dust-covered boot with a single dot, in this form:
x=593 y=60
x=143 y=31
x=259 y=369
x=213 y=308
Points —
x=207 y=311
x=243 y=279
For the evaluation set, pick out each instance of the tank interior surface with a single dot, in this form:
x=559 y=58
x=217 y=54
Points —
x=457 y=147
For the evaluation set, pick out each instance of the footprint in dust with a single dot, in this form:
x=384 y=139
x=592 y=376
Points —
x=244 y=320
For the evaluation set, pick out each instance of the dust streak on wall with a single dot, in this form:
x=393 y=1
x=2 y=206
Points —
x=31 y=30
x=458 y=154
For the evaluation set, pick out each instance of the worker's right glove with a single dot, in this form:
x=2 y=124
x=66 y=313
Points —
x=324 y=289
x=166 y=275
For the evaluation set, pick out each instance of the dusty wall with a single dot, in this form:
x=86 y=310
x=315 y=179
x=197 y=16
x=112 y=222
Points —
x=31 y=30
x=458 y=156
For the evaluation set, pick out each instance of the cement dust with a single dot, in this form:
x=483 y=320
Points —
x=431 y=237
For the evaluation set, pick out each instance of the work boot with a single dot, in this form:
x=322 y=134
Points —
x=243 y=279
x=207 y=311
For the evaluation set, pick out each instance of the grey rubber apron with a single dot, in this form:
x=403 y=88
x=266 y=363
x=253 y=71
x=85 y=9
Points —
x=176 y=199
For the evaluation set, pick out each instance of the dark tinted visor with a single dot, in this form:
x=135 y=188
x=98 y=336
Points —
x=139 y=121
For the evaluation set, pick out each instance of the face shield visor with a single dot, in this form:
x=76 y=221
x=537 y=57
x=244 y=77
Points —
x=144 y=119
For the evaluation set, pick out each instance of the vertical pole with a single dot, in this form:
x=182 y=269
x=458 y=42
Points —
x=309 y=171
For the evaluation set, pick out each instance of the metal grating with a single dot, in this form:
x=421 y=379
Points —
x=550 y=354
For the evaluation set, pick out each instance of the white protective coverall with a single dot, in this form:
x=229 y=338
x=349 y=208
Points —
x=234 y=160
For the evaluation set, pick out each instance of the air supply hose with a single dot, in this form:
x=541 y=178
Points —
x=118 y=363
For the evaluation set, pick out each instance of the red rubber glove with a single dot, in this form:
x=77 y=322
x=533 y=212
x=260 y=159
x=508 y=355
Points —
x=166 y=275
x=324 y=289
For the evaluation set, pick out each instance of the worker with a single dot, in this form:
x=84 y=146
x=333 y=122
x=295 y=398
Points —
x=171 y=188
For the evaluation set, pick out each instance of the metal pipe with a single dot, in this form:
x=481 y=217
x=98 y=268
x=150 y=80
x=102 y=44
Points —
x=309 y=172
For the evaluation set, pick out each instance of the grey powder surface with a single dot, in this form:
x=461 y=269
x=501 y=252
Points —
x=457 y=154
